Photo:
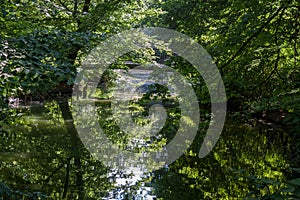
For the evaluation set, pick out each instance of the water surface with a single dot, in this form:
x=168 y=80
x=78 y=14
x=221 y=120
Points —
x=37 y=155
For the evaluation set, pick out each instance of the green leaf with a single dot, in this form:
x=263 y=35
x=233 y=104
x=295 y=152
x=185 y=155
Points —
x=289 y=188
x=297 y=192
x=295 y=181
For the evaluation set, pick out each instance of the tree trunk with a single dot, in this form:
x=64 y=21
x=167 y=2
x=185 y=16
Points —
x=75 y=144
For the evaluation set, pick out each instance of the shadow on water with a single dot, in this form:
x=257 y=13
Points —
x=37 y=154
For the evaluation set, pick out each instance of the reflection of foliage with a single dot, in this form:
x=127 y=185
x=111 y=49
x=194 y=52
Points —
x=139 y=112
x=272 y=189
x=154 y=92
x=39 y=158
x=7 y=193
x=244 y=163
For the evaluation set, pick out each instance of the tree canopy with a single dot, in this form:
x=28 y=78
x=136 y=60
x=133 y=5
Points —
x=254 y=44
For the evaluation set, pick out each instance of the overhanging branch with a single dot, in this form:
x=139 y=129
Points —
x=64 y=5
x=252 y=37
x=277 y=56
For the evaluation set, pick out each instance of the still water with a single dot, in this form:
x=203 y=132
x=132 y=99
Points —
x=250 y=161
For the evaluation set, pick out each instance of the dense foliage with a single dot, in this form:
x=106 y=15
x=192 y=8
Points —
x=255 y=45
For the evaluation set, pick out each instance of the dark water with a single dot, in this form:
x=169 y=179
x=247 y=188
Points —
x=250 y=161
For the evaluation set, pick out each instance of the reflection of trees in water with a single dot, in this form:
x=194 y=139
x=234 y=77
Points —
x=241 y=159
x=54 y=162
x=43 y=158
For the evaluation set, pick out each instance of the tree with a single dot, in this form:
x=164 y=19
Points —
x=41 y=52
x=254 y=44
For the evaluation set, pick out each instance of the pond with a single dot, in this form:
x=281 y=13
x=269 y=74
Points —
x=250 y=161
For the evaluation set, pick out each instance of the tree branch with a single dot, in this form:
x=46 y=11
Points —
x=278 y=54
x=99 y=10
x=52 y=174
x=64 y=5
x=252 y=37
x=75 y=8
x=86 y=6
x=66 y=185
x=296 y=35
x=277 y=45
